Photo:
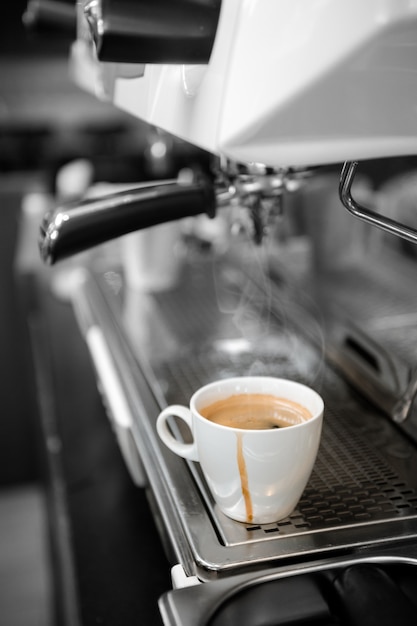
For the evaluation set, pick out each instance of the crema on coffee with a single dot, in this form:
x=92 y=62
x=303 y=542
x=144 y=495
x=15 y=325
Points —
x=256 y=411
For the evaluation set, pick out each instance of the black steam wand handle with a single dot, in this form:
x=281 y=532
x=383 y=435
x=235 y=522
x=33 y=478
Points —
x=75 y=227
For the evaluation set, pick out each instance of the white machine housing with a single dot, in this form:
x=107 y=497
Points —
x=289 y=83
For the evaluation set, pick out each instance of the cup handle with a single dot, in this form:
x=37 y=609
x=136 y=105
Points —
x=186 y=450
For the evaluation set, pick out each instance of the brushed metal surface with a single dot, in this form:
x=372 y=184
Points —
x=363 y=490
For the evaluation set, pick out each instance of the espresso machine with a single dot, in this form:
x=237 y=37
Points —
x=287 y=261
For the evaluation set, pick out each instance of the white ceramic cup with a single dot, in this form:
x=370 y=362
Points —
x=255 y=476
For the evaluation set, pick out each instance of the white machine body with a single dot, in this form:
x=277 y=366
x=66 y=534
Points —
x=289 y=83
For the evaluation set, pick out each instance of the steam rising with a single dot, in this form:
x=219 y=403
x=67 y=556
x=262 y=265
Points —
x=270 y=320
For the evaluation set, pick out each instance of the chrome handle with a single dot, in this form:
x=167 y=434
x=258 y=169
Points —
x=367 y=215
x=93 y=16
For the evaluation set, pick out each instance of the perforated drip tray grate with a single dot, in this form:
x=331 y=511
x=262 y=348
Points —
x=351 y=484
x=363 y=489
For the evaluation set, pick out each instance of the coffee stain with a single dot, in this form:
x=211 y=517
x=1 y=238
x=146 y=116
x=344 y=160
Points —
x=244 y=478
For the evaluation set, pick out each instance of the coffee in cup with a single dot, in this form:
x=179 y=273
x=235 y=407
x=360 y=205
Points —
x=256 y=439
x=256 y=411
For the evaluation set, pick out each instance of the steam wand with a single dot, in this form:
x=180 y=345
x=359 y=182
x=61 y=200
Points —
x=402 y=408
x=367 y=215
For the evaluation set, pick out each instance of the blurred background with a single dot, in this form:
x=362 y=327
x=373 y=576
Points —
x=45 y=122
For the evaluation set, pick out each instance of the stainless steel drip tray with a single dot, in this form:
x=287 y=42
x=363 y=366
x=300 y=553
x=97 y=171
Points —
x=364 y=480
x=363 y=490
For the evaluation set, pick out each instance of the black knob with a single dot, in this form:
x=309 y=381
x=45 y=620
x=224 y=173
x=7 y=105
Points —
x=52 y=18
x=153 y=31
